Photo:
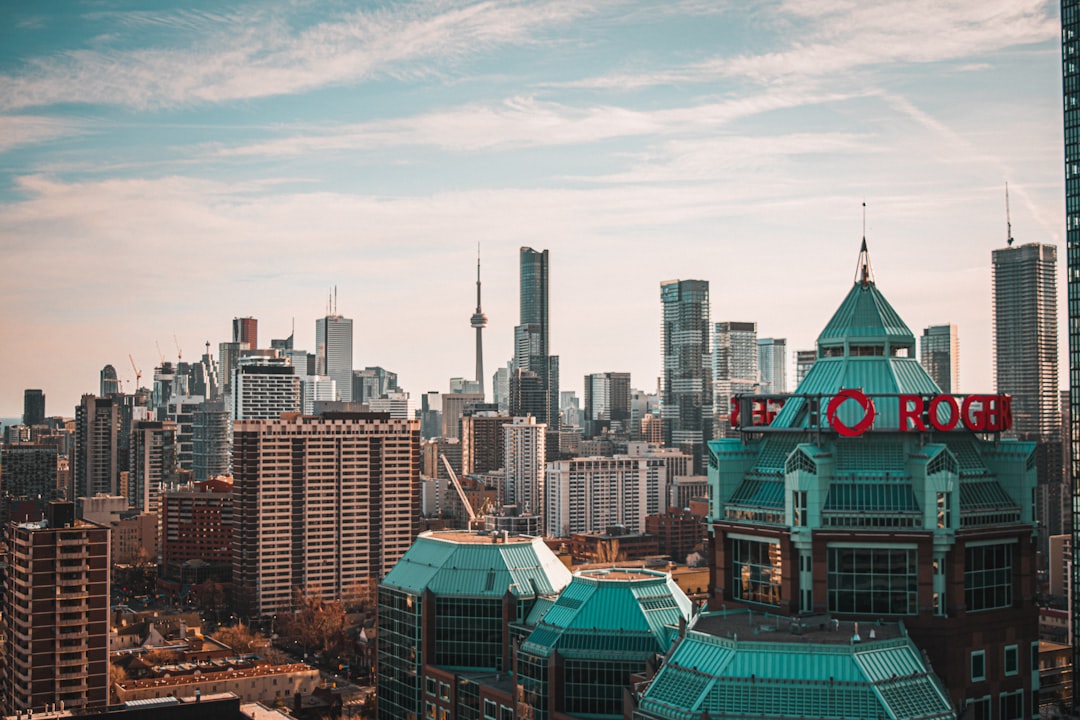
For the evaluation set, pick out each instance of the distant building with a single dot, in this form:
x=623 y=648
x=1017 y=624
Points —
x=939 y=353
x=153 y=463
x=588 y=495
x=97 y=453
x=500 y=387
x=804 y=360
x=33 y=407
x=525 y=450
x=58 y=643
x=334 y=352
x=211 y=432
x=735 y=367
x=772 y=365
x=453 y=407
x=482 y=442
x=110 y=385
x=28 y=479
x=246 y=330
x=327 y=504
x=373 y=382
x=263 y=388
x=607 y=402
x=196 y=531
x=687 y=399
x=532 y=351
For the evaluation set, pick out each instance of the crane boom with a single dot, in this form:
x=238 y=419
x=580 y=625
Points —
x=138 y=373
x=460 y=490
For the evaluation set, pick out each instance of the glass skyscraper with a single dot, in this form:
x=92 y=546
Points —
x=939 y=354
x=687 y=393
x=333 y=354
x=531 y=348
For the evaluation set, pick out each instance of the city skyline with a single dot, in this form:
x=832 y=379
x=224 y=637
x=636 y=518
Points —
x=164 y=171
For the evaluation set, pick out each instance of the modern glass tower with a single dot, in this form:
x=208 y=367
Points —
x=687 y=392
x=939 y=354
x=531 y=347
x=333 y=355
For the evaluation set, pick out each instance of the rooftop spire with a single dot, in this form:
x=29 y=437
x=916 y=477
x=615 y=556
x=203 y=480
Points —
x=1008 y=218
x=864 y=274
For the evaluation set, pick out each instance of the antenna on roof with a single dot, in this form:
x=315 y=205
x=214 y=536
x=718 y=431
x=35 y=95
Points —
x=864 y=275
x=1008 y=218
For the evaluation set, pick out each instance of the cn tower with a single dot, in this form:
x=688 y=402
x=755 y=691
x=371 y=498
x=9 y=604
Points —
x=479 y=321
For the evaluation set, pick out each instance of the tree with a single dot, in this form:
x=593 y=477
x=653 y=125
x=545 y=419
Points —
x=316 y=625
x=242 y=639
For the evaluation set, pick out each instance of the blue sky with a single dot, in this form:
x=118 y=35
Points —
x=164 y=169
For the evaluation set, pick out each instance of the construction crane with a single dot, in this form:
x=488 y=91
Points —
x=160 y=354
x=138 y=372
x=179 y=352
x=473 y=519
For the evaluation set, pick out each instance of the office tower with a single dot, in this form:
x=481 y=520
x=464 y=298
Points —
x=228 y=354
x=164 y=389
x=110 y=385
x=246 y=330
x=1070 y=71
x=527 y=394
x=524 y=458
x=939 y=353
x=211 y=431
x=263 y=388
x=804 y=360
x=1025 y=336
x=453 y=407
x=500 y=387
x=395 y=404
x=687 y=400
x=772 y=365
x=373 y=382
x=607 y=402
x=531 y=336
x=196 y=531
x=569 y=410
x=56 y=614
x=181 y=410
x=334 y=351
x=97 y=448
x=33 y=407
x=430 y=415
x=445 y=604
x=315 y=388
x=482 y=441
x=892 y=518
x=327 y=504
x=735 y=367
x=28 y=481
x=153 y=463
x=479 y=321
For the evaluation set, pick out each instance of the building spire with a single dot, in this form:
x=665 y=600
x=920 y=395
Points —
x=864 y=274
x=479 y=321
x=1008 y=218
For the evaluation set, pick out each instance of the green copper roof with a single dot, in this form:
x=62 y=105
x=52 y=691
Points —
x=616 y=611
x=865 y=316
x=466 y=564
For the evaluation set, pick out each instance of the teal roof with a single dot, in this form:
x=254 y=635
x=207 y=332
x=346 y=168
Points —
x=467 y=564
x=865 y=315
x=615 y=611
x=871 y=497
x=733 y=678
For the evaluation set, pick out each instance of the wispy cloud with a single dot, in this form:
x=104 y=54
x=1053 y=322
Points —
x=265 y=50
x=19 y=130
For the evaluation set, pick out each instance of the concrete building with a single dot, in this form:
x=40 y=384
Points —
x=263 y=387
x=264 y=683
x=316 y=388
x=524 y=456
x=687 y=389
x=587 y=495
x=939 y=353
x=55 y=614
x=28 y=476
x=772 y=365
x=33 y=407
x=97 y=453
x=197 y=527
x=453 y=407
x=327 y=504
x=483 y=441
x=153 y=463
x=804 y=360
x=211 y=432
x=334 y=352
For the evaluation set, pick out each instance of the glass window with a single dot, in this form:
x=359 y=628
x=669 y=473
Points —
x=988 y=577
x=1012 y=659
x=874 y=580
x=1012 y=705
x=444 y=691
x=429 y=685
x=978 y=665
x=756 y=570
x=491 y=708
x=978 y=708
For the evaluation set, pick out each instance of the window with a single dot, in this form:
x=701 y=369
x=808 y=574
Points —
x=429 y=685
x=429 y=710
x=988 y=577
x=1012 y=659
x=1011 y=705
x=878 y=580
x=977 y=708
x=444 y=691
x=506 y=713
x=491 y=709
x=756 y=570
x=978 y=665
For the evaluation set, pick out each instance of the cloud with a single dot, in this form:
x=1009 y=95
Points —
x=20 y=130
x=264 y=51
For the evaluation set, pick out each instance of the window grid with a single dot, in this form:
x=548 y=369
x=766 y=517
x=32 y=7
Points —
x=988 y=577
x=756 y=569
x=873 y=580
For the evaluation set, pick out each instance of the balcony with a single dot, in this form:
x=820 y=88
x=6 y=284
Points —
x=79 y=662
x=70 y=622
x=71 y=542
x=80 y=673
x=71 y=582
x=75 y=633
x=74 y=593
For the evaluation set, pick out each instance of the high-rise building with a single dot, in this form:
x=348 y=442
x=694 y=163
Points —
x=804 y=360
x=735 y=367
x=591 y=494
x=334 y=352
x=482 y=441
x=479 y=321
x=211 y=433
x=55 y=614
x=326 y=504
x=772 y=365
x=373 y=382
x=153 y=463
x=97 y=448
x=525 y=451
x=531 y=336
x=500 y=387
x=1025 y=336
x=607 y=402
x=110 y=384
x=196 y=531
x=263 y=387
x=28 y=481
x=33 y=407
x=246 y=330
x=939 y=353
x=687 y=400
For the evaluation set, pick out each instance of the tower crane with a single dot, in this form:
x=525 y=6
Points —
x=179 y=352
x=138 y=372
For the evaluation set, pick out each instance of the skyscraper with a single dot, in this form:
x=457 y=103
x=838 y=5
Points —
x=607 y=401
x=735 y=366
x=804 y=360
x=525 y=449
x=531 y=348
x=772 y=365
x=33 y=407
x=246 y=330
x=333 y=352
x=1025 y=336
x=263 y=387
x=110 y=385
x=939 y=353
x=97 y=452
x=687 y=388
x=479 y=321
x=153 y=463
x=327 y=504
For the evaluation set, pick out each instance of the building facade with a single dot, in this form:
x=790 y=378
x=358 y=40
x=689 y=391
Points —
x=607 y=402
x=197 y=525
x=326 y=504
x=263 y=388
x=735 y=367
x=532 y=351
x=97 y=452
x=772 y=365
x=153 y=463
x=939 y=353
x=33 y=407
x=524 y=458
x=334 y=352
x=687 y=388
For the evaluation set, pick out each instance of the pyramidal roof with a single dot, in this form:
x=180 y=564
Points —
x=865 y=315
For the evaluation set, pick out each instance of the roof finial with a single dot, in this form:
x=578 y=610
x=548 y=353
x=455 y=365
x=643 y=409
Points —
x=864 y=274
x=1008 y=218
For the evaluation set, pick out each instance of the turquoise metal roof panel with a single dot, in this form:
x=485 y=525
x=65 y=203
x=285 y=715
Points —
x=871 y=455
x=871 y=497
x=793 y=662
x=759 y=493
x=885 y=662
x=775 y=450
x=978 y=496
x=865 y=313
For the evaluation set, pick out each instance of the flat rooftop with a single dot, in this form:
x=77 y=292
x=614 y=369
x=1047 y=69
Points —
x=822 y=629
x=480 y=538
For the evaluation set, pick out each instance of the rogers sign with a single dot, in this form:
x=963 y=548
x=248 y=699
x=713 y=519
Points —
x=916 y=413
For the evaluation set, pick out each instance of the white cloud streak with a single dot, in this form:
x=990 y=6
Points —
x=20 y=130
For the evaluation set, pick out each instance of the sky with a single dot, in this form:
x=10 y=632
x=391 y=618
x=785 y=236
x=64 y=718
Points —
x=165 y=168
